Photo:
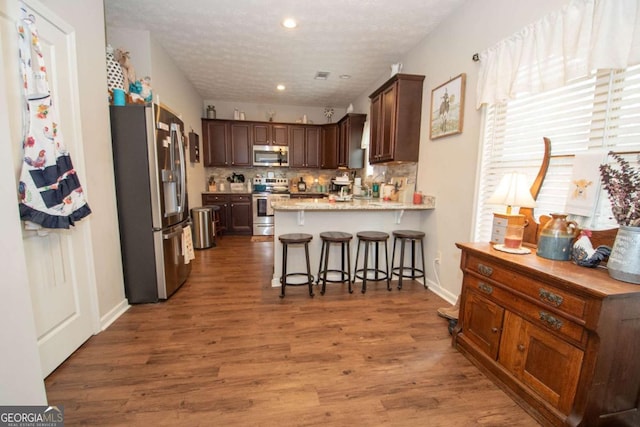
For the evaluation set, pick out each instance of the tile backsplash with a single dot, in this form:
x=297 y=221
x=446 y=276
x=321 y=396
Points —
x=324 y=176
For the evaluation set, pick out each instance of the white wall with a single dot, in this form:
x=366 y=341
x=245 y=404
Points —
x=170 y=87
x=447 y=167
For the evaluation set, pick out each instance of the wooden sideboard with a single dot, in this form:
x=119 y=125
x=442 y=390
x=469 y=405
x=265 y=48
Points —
x=562 y=340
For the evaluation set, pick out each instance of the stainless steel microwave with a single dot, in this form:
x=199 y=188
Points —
x=268 y=155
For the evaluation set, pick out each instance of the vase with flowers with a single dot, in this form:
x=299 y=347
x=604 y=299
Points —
x=623 y=186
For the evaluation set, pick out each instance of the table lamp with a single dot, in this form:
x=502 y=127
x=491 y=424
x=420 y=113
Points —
x=513 y=190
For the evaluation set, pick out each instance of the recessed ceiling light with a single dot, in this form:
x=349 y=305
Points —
x=280 y=87
x=345 y=76
x=289 y=23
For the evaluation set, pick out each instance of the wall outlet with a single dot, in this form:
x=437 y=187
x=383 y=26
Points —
x=438 y=257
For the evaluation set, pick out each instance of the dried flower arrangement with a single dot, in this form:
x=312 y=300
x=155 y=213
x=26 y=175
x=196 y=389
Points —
x=623 y=186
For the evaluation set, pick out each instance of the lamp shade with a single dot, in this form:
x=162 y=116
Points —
x=513 y=190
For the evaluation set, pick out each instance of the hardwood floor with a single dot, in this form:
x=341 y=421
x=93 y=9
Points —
x=226 y=350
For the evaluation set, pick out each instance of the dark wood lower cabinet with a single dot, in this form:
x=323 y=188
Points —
x=562 y=340
x=236 y=216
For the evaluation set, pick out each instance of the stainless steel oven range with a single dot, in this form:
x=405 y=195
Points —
x=266 y=191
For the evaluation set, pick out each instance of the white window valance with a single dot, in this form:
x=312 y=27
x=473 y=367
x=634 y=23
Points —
x=584 y=35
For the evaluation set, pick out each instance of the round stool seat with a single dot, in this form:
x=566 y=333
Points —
x=408 y=234
x=294 y=238
x=372 y=236
x=336 y=236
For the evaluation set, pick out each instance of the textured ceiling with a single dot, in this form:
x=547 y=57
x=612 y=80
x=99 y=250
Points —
x=236 y=50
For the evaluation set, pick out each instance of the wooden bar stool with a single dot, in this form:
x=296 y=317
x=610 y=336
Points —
x=369 y=238
x=218 y=228
x=295 y=239
x=408 y=236
x=329 y=237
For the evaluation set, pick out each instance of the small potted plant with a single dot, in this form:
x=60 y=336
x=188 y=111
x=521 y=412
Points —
x=623 y=186
x=212 y=183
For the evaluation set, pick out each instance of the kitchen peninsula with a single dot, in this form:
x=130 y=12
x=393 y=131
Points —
x=314 y=216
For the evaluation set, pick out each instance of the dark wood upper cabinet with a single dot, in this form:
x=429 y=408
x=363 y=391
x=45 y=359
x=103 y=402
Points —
x=329 y=143
x=229 y=143
x=312 y=135
x=215 y=135
x=396 y=109
x=350 y=153
x=304 y=146
x=241 y=144
x=270 y=134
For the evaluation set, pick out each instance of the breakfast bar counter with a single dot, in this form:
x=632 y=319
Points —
x=314 y=216
x=351 y=205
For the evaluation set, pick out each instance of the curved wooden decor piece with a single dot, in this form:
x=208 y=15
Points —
x=531 y=226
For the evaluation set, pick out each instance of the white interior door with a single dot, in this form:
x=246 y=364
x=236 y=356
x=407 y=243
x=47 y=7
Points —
x=59 y=263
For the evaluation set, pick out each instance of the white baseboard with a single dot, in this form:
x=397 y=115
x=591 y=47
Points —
x=442 y=293
x=113 y=314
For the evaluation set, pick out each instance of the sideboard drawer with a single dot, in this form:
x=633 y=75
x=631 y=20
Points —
x=534 y=312
x=546 y=294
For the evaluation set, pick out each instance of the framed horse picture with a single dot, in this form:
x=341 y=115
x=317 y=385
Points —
x=447 y=108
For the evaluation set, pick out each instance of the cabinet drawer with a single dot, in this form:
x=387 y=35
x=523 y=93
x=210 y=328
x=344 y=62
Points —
x=498 y=232
x=535 y=312
x=210 y=198
x=240 y=198
x=545 y=294
x=500 y=222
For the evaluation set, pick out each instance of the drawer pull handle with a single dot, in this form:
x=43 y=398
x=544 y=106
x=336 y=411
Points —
x=487 y=289
x=550 y=297
x=550 y=320
x=485 y=270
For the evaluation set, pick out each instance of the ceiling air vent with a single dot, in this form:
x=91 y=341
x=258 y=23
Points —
x=322 y=75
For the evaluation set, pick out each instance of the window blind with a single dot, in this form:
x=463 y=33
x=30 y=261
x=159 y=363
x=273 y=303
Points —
x=601 y=111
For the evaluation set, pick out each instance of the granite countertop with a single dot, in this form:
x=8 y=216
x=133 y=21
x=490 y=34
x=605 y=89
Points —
x=353 y=205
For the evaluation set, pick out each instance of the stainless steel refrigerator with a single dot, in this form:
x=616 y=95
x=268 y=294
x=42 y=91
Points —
x=150 y=173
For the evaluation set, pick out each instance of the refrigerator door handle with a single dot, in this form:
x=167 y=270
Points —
x=172 y=235
x=175 y=132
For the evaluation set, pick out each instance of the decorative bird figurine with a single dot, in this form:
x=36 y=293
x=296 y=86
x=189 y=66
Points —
x=585 y=255
x=39 y=161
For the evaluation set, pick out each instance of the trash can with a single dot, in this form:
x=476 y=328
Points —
x=202 y=219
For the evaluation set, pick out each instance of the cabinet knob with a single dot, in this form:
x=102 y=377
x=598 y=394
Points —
x=520 y=347
x=494 y=330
